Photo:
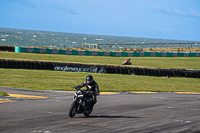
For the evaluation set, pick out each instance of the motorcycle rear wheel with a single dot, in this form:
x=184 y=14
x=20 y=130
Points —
x=73 y=109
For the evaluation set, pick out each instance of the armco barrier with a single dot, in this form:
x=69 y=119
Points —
x=7 y=48
x=106 y=53
x=78 y=67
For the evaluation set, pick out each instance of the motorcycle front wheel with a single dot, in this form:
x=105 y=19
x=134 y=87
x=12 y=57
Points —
x=73 y=109
x=87 y=113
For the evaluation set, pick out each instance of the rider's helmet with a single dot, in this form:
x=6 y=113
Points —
x=89 y=79
x=129 y=59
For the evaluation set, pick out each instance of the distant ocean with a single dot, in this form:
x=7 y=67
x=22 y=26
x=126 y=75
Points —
x=20 y=37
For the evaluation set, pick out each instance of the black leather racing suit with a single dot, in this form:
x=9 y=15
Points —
x=92 y=89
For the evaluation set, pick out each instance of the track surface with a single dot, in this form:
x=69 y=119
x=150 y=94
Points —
x=126 y=112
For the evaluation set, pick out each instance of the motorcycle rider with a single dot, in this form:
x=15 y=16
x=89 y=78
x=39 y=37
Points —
x=92 y=89
x=127 y=62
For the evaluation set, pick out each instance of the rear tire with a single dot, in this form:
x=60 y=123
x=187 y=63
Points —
x=73 y=109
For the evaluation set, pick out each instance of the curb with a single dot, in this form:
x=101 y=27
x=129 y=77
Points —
x=27 y=96
x=19 y=97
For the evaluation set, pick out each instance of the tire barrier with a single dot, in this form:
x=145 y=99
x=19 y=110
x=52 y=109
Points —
x=15 y=64
x=106 y=53
x=76 y=67
x=7 y=48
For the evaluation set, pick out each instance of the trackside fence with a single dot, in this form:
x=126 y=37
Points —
x=136 y=46
x=106 y=53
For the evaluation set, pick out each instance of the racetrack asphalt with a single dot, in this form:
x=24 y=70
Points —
x=113 y=113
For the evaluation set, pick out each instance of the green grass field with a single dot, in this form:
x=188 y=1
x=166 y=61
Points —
x=60 y=80
x=152 y=62
x=2 y=94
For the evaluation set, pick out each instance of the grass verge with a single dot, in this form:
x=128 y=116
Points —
x=152 y=62
x=3 y=93
x=60 y=80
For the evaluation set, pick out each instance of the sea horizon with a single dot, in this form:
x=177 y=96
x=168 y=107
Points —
x=23 y=37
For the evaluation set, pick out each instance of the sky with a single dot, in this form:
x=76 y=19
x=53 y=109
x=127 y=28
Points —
x=159 y=19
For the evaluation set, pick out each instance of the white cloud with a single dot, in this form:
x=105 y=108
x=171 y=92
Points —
x=189 y=13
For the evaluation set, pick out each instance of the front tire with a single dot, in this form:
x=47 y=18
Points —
x=73 y=109
x=88 y=112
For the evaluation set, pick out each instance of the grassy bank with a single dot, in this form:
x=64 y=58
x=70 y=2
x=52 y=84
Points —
x=152 y=62
x=3 y=93
x=59 y=80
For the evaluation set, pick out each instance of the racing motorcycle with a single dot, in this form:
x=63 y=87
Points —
x=124 y=63
x=81 y=103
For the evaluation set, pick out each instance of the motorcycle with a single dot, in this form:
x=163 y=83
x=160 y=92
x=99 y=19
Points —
x=124 y=63
x=81 y=103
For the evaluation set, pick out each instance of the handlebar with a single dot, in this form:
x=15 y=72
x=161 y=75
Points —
x=79 y=88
